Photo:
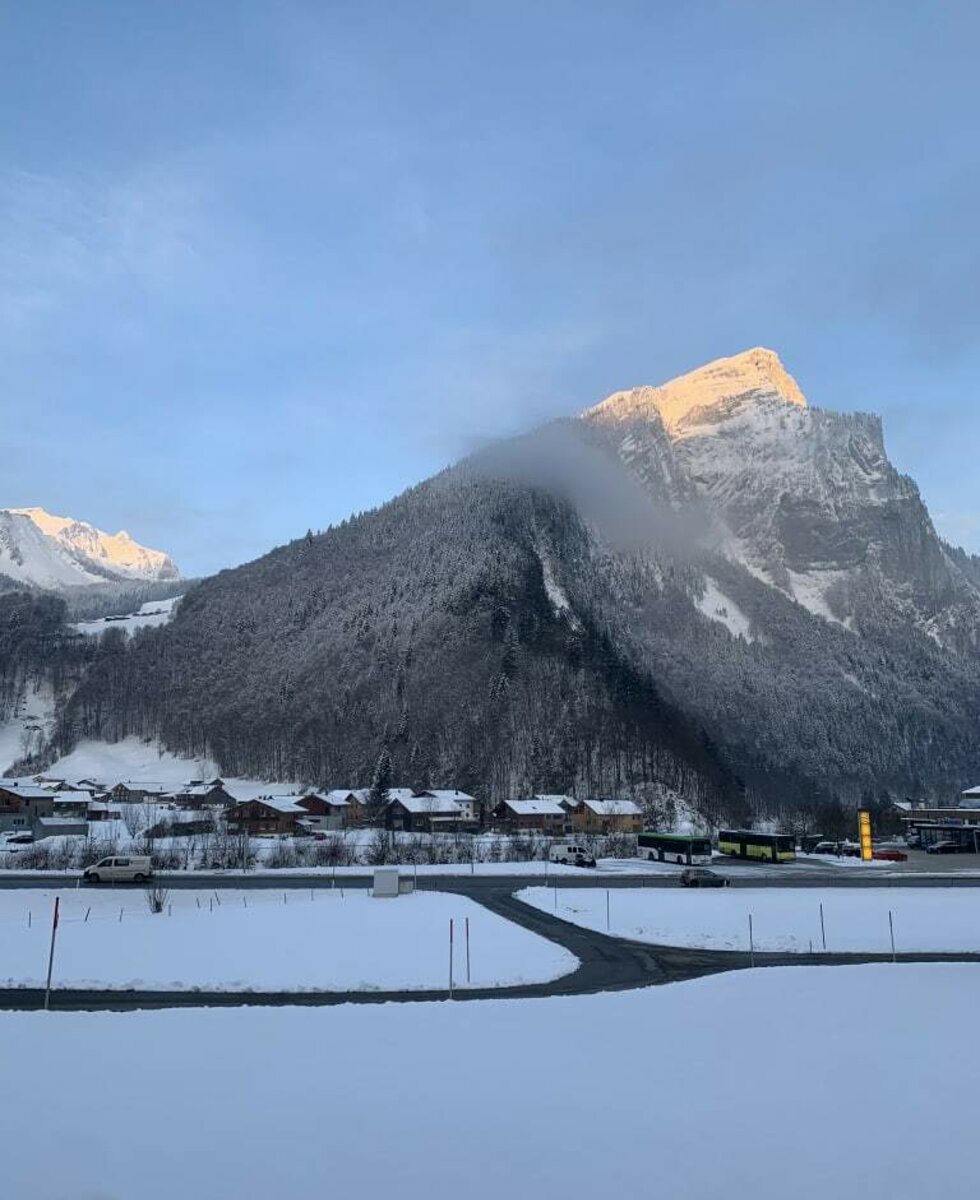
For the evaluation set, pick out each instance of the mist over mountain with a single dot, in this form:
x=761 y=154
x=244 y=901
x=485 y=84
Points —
x=707 y=588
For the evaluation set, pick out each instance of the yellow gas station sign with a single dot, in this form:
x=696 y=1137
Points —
x=864 y=826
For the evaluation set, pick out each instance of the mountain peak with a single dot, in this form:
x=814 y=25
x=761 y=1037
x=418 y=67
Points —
x=720 y=388
x=40 y=548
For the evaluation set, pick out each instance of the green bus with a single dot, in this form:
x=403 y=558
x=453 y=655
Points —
x=687 y=849
x=763 y=847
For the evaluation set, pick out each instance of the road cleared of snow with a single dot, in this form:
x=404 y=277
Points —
x=785 y=1082
x=855 y=920
x=338 y=940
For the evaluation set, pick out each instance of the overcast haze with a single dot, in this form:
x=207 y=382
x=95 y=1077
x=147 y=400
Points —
x=264 y=265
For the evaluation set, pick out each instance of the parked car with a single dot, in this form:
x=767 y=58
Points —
x=888 y=854
x=572 y=854
x=826 y=848
x=129 y=868
x=17 y=839
x=702 y=877
x=946 y=846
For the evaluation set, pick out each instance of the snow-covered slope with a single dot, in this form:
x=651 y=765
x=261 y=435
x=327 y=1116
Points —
x=28 y=726
x=47 y=551
x=135 y=758
x=149 y=615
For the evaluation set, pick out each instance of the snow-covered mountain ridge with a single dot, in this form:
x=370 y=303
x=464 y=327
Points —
x=805 y=498
x=43 y=550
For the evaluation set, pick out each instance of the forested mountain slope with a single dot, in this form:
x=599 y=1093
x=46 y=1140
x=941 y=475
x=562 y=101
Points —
x=426 y=626
x=707 y=587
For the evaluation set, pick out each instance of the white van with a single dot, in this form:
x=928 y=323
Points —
x=127 y=868
x=572 y=854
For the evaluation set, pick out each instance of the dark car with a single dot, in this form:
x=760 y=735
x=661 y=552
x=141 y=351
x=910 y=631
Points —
x=946 y=846
x=702 y=877
x=13 y=841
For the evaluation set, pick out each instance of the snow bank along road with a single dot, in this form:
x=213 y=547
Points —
x=606 y=963
x=770 y=1084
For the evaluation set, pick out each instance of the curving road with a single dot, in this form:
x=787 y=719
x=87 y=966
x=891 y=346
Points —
x=606 y=963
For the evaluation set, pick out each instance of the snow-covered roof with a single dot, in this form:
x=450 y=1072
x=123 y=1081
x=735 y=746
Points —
x=972 y=793
x=152 y=788
x=334 y=799
x=283 y=804
x=363 y=795
x=429 y=804
x=540 y=806
x=613 y=808
x=449 y=794
x=567 y=801
x=340 y=796
x=55 y=822
x=29 y=792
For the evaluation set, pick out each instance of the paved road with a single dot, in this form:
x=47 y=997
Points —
x=477 y=884
x=606 y=964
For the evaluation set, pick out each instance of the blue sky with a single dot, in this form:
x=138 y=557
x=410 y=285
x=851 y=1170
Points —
x=263 y=265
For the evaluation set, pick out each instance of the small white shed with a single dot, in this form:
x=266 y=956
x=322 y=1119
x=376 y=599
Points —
x=385 y=882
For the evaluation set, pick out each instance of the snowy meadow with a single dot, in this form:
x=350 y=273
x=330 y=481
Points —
x=845 y=920
x=785 y=1082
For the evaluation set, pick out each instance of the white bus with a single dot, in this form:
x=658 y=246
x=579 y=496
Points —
x=687 y=849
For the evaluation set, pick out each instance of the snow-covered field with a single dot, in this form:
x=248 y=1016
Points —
x=131 y=758
x=253 y=940
x=855 y=919
x=148 y=615
x=801 y=1083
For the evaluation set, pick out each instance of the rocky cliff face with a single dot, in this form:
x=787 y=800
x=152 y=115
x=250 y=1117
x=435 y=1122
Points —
x=805 y=499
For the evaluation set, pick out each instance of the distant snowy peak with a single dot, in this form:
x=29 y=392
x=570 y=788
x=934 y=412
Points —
x=712 y=393
x=48 y=551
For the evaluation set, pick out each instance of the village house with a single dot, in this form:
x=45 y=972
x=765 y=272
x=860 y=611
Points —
x=45 y=827
x=266 y=815
x=466 y=802
x=197 y=795
x=607 y=816
x=89 y=785
x=102 y=809
x=426 y=813
x=139 y=791
x=360 y=802
x=325 y=810
x=537 y=815
x=22 y=805
x=71 y=804
x=351 y=801
x=568 y=803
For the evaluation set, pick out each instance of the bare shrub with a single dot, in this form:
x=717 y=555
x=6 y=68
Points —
x=283 y=855
x=156 y=897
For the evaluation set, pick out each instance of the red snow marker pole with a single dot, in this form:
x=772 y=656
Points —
x=467 y=949
x=450 y=956
x=54 y=931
